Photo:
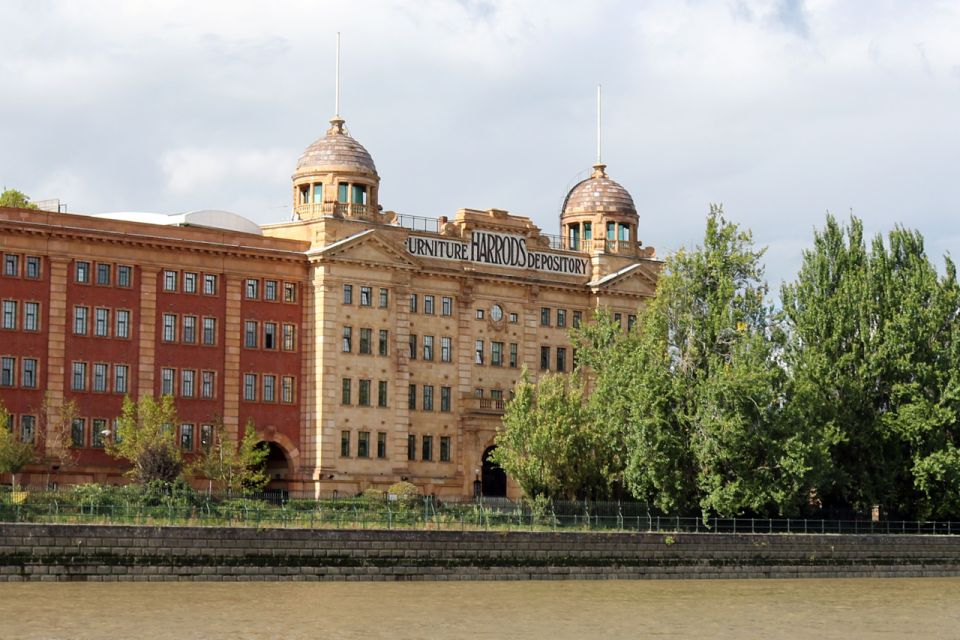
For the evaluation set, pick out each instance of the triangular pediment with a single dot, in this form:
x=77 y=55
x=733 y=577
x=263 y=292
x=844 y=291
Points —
x=369 y=247
x=637 y=279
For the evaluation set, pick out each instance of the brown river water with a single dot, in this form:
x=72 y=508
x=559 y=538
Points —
x=809 y=609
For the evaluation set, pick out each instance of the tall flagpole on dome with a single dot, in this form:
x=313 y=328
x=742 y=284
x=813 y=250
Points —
x=337 y=91
x=599 y=125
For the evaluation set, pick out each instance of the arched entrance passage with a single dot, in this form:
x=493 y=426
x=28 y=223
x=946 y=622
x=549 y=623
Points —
x=493 y=478
x=277 y=465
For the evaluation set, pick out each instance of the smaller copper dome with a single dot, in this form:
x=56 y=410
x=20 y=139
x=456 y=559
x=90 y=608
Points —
x=337 y=151
x=598 y=194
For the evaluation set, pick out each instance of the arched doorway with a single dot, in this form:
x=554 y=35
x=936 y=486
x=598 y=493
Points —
x=277 y=467
x=493 y=478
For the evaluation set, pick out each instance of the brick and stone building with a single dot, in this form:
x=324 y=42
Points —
x=366 y=346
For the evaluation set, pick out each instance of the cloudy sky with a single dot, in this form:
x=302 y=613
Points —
x=781 y=110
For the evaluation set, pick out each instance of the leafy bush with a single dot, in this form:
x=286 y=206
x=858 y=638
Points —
x=407 y=493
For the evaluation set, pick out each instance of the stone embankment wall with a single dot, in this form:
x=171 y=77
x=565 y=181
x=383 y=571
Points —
x=109 y=553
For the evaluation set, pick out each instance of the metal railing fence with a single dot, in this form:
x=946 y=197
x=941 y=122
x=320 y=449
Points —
x=428 y=513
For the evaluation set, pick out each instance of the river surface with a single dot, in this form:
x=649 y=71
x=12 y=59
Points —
x=810 y=609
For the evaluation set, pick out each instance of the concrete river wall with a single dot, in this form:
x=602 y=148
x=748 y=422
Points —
x=111 y=553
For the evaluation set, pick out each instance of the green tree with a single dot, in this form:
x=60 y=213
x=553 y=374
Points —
x=146 y=438
x=547 y=441
x=14 y=455
x=696 y=389
x=14 y=198
x=233 y=466
x=874 y=355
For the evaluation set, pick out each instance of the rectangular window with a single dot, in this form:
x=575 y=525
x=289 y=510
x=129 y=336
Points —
x=287 y=389
x=99 y=377
x=166 y=381
x=382 y=393
x=383 y=342
x=342 y=191
x=587 y=230
x=411 y=447
x=190 y=329
x=496 y=354
x=11 y=264
x=97 y=427
x=561 y=359
x=186 y=437
x=365 y=296
x=250 y=338
x=79 y=320
x=428 y=305
x=78 y=380
x=252 y=288
x=270 y=290
x=359 y=194
x=446 y=306
x=478 y=352
x=209 y=331
x=28 y=428
x=577 y=319
x=381 y=444
x=384 y=298
x=169 y=327
x=8 y=368
x=346 y=391
x=188 y=379
x=269 y=388
x=189 y=282
x=101 y=322
x=78 y=432
x=269 y=335
x=206 y=436
x=561 y=318
x=413 y=303
x=366 y=335
x=344 y=444
x=120 y=377
x=611 y=230
x=364 y=393
x=103 y=274
x=28 y=373
x=428 y=397
x=544 y=358
x=208 y=383
x=347 y=339
x=10 y=315
x=169 y=280
x=122 y=328
x=289 y=292
x=413 y=346
x=250 y=387
x=631 y=322
x=544 y=316
x=497 y=396
x=480 y=314
x=210 y=284
x=10 y=422
x=82 y=272
x=428 y=347
x=363 y=444
x=513 y=355
x=445 y=393
x=289 y=337
x=348 y=294
x=446 y=349
x=124 y=276
x=514 y=318
x=444 y=448
x=426 y=449
x=618 y=319
x=412 y=397
x=33 y=267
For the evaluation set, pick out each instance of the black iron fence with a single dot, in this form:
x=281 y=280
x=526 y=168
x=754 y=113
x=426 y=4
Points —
x=333 y=511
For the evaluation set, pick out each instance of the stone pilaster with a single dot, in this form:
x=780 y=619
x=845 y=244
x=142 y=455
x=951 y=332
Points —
x=146 y=362
x=231 y=354
x=56 y=344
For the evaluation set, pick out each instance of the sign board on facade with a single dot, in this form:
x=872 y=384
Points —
x=498 y=249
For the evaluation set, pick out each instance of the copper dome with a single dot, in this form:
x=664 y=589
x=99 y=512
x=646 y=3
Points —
x=337 y=150
x=598 y=194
